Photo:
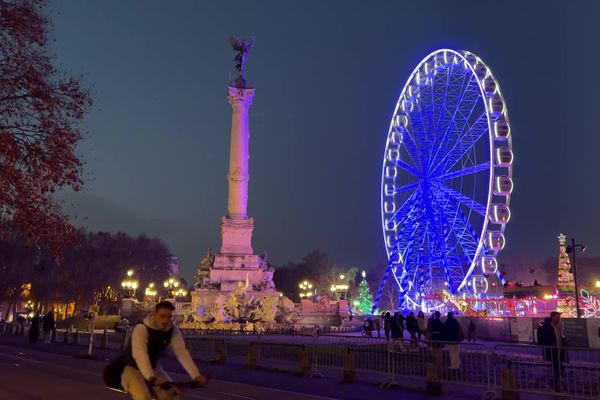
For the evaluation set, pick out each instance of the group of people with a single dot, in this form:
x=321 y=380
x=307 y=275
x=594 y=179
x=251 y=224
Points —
x=436 y=333
x=42 y=325
x=418 y=327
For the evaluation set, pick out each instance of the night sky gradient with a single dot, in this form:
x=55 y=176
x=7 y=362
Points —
x=327 y=77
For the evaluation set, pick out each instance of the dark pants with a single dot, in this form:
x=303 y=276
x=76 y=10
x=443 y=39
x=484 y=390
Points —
x=556 y=357
x=387 y=334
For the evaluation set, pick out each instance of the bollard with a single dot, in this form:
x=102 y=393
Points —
x=253 y=355
x=91 y=339
x=221 y=349
x=76 y=337
x=104 y=341
x=349 y=367
x=66 y=337
x=124 y=339
x=433 y=387
x=510 y=384
x=303 y=362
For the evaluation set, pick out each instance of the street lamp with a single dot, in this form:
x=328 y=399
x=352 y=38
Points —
x=170 y=284
x=573 y=249
x=150 y=290
x=129 y=285
x=180 y=293
x=343 y=288
x=306 y=289
x=598 y=284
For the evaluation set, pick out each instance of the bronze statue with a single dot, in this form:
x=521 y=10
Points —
x=242 y=47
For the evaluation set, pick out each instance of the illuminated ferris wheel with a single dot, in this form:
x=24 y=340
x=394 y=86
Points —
x=446 y=180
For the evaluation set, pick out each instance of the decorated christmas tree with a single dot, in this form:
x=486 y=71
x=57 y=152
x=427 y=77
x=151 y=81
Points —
x=566 y=282
x=365 y=299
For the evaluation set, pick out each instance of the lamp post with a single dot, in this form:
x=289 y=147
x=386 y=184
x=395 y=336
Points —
x=573 y=249
x=306 y=288
x=150 y=291
x=342 y=288
x=130 y=285
x=171 y=284
x=180 y=293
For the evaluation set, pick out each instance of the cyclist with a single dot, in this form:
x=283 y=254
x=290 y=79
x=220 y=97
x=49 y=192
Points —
x=148 y=341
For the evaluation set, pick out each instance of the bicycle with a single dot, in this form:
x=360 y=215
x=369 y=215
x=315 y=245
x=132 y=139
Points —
x=178 y=385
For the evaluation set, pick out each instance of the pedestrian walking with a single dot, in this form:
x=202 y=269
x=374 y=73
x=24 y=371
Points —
x=378 y=327
x=436 y=335
x=397 y=330
x=412 y=326
x=422 y=323
x=453 y=334
x=387 y=324
x=550 y=335
x=34 y=328
x=48 y=326
x=471 y=330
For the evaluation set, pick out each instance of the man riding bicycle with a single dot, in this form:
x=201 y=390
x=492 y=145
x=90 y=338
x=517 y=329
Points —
x=148 y=341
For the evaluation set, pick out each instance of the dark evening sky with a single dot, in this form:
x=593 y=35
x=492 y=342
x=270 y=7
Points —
x=327 y=77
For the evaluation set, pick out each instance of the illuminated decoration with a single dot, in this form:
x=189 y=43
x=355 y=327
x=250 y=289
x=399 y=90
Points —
x=446 y=180
x=463 y=306
x=364 y=302
x=590 y=304
x=566 y=282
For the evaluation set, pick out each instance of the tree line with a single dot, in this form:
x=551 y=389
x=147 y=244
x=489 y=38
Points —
x=89 y=271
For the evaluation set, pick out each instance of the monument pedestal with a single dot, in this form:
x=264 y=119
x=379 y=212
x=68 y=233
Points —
x=236 y=236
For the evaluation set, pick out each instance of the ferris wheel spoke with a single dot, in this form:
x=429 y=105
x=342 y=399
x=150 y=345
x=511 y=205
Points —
x=463 y=146
x=411 y=147
x=468 y=241
x=408 y=168
x=408 y=142
x=462 y=113
x=404 y=188
x=453 y=95
x=437 y=231
x=404 y=209
x=419 y=128
x=466 y=236
x=408 y=265
x=465 y=171
x=463 y=199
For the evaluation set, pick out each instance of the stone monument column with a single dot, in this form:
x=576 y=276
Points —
x=237 y=201
x=237 y=227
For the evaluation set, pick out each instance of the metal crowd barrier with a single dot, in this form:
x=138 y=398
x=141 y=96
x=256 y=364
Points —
x=502 y=370
x=567 y=371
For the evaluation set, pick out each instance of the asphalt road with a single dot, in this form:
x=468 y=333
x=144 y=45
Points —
x=29 y=374
x=57 y=372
